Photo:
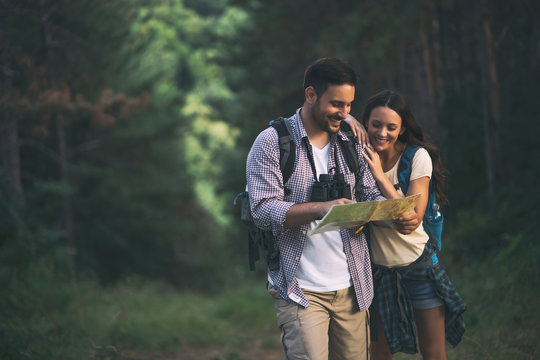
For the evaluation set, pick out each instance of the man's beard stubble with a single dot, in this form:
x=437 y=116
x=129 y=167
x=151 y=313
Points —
x=322 y=121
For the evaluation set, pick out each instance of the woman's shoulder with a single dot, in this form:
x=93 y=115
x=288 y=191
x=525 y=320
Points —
x=421 y=154
x=415 y=153
x=422 y=161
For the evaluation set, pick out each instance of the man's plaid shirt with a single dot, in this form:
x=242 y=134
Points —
x=269 y=204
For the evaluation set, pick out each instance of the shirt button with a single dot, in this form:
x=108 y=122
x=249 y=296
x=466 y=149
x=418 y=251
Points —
x=297 y=258
x=304 y=232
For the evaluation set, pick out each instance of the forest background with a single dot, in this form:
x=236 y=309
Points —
x=124 y=130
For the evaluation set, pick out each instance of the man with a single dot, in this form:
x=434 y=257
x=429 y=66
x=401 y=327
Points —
x=323 y=286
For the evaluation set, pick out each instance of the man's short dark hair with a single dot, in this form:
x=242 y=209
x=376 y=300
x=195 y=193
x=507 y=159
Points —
x=328 y=71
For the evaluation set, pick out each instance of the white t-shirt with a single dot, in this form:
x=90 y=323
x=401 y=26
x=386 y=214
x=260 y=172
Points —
x=388 y=246
x=323 y=265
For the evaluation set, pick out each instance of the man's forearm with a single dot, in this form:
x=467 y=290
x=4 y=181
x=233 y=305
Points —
x=300 y=214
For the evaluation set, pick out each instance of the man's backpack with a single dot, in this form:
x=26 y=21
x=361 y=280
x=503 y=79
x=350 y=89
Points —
x=433 y=219
x=264 y=239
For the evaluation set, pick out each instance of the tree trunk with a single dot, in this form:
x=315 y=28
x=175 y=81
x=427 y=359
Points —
x=490 y=96
x=429 y=86
x=64 y=168
x=9 y=143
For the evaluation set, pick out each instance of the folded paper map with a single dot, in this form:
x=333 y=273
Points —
x=351 y=215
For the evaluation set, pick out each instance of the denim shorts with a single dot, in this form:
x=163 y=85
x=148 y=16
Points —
x=422 y=294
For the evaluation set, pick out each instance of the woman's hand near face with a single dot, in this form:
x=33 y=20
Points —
x=374 y=162
x=375 y=165
x=358 y=130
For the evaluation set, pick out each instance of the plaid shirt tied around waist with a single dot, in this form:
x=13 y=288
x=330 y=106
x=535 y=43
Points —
x=395 y=310
x=270 y=202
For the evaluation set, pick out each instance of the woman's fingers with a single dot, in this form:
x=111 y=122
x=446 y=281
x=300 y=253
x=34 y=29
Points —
x=362 y=135
x=369 y=150
x=358 y=130
x=353 y=123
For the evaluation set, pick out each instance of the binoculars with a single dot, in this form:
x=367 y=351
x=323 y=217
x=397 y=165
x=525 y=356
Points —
x=328 y=188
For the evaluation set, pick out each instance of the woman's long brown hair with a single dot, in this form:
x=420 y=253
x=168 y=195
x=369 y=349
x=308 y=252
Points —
x=414 y=134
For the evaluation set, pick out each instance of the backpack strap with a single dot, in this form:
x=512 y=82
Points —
x=287 y=147
x=349 y=148
x=404 y=175
x=404 y=168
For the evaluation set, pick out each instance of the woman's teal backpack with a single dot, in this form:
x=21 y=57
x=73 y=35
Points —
x=433 y=219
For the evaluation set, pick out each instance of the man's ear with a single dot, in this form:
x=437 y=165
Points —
x=311 y=95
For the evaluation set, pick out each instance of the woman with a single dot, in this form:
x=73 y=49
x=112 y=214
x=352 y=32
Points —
x=402 y=264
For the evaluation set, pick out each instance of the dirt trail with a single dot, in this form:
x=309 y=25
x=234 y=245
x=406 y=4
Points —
x=195 y=353
x=255 y=351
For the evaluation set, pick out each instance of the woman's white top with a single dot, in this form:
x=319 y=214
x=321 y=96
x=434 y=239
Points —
x=389 y=247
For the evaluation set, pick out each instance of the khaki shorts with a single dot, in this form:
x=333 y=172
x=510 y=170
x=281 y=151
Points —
x=331 y=327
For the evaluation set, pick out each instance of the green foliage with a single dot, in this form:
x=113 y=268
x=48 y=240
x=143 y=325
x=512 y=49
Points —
x=134 y=316
x=493 y=257
x=246 y=306
x=501 y=298
x=170 y=57
x=36 y=288
x=501 y=233
x=130 y=183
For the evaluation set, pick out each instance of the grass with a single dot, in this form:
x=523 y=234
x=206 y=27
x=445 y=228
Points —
x=155 y=318
x=141 y=317
x=138 y=319
x=502 y=317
